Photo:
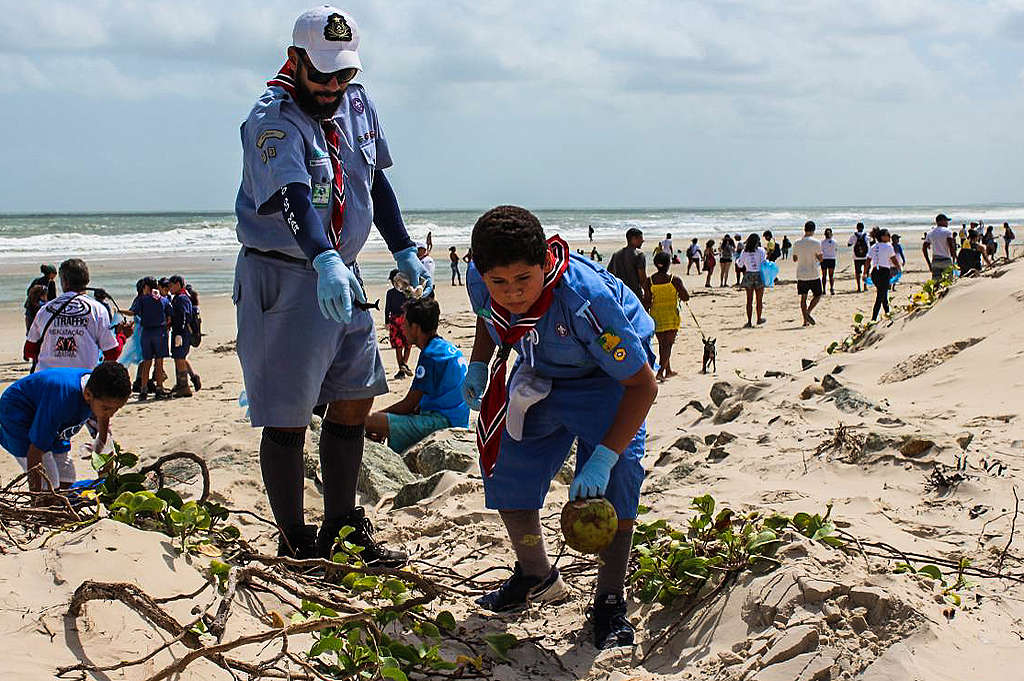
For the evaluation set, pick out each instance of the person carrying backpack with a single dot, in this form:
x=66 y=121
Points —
x=182 y=324
x=859 y=241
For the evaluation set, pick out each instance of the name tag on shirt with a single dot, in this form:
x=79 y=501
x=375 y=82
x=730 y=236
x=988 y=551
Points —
x=321 y=194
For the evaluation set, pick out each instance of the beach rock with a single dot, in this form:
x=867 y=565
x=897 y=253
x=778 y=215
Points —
x=687 y=443
x=717 y=454
x=418 y=490
x=794 y=641
x=724 y=438
x=817 y=591
x=775 y=374
x=865 y=596
x=710 y=438
x=806 y=364
x=875 y=442
x=728 y=657
x=696 y=404
x=858 y=623
x=829 y=383
x=811 y=390
x=964 y=439
x=721 y=391
x=851 y=401
x=451 y=449
x=382 y=472
x=806 y=667
x=671 y=480
x=916 y=446
x=728 y=411
x=753 y=391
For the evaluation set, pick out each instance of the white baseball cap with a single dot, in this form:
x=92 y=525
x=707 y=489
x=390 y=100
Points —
x=330 y=37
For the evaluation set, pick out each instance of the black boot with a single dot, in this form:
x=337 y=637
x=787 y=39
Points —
x=300 y=543
x=373 y=553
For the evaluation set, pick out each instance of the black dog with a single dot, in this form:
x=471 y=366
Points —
x=709 y=356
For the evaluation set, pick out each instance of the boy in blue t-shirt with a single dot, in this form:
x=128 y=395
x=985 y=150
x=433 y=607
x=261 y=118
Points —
x=153 y=313
x=42 y=411
x=434 y=400
x=584 y=374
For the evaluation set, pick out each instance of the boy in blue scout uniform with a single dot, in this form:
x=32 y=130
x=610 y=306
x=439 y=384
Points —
x=153 y=312
x=41 y=412
x=434 y=400
x=181 y=333
x=312 y=184
x=584 y=373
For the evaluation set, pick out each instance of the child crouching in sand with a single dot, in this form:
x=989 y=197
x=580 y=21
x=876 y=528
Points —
x=665 y=292
x=42 y=411
x=584 y=372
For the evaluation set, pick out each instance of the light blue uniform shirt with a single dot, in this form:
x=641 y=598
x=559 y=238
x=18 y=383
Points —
x=595 y=324
x=439 y=376
x=281 y=144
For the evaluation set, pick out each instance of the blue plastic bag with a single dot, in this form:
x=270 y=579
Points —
x=769 y=271
x=131 y=353
x=896 y=277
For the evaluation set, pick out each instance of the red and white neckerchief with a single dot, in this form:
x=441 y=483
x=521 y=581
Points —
x=494 y=406
x=285 y=79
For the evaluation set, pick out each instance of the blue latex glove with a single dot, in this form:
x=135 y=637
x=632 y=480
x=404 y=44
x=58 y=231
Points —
x=592 y=481
x=474 y=384
x=409 y=265
x=336 y=287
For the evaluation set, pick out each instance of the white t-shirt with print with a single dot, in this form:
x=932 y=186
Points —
x=805 y=252
x=78 y=336
x=829 y=248
x=938 y=238
x=881 y=254
x=751 y=261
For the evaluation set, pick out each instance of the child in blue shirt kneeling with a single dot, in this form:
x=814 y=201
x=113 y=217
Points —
x=584 y=374
x=41 y=412
x=434 y=400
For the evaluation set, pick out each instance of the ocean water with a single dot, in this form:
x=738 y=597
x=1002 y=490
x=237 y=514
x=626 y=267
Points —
x=202 y=245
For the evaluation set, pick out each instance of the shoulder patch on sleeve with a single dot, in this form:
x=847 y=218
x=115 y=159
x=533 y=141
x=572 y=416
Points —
x=420 y=371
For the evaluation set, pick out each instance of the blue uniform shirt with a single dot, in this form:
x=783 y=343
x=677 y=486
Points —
x=595 y=324
x=181 y=313
x=439 y=376
x=281 y=145
x=45 y=409
x=152 y=312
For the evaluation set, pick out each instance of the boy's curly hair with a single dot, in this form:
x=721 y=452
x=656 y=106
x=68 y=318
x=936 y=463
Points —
x=505 y=235
x=110 y=380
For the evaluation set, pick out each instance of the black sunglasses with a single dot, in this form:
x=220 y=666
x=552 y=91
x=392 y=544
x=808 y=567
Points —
x=321 y=78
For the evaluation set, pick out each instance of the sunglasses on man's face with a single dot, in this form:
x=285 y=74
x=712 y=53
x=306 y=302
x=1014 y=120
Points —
x=320 y=78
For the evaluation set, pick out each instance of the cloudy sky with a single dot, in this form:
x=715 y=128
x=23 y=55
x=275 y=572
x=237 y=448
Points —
x=117 y=105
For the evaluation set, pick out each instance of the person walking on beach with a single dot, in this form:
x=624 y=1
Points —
x=725 y=258
x=786 y=245
x=34 y=300
x=884 y=264
x=394 y=319
x=73 y=329
x=750 y=260
x=590 y=233
x=47 y=279
x=807 y=254
x=738 y=240
x=859 y=241
x=1008 y=237
x=829 y=251
x=666 y=244
x=181 y=335
x=666 y=292
x=771 y=247
x=305 y=336
x=942 y=245
x=989 y=241
x=454 y=258
x=709 y=261
x=693 y=256
x=629 y=264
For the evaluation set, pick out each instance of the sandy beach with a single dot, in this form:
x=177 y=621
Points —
x=948 y=377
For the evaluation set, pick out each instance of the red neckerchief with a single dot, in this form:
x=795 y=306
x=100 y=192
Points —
x=285 y=79
x=494 y=406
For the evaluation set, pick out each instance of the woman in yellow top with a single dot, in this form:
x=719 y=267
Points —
x=664 y=293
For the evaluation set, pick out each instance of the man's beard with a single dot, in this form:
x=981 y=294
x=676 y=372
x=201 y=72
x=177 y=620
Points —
x=308 y=102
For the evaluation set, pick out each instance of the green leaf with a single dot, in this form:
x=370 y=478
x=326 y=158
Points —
x=500 y=644
x=366 y=583
x=393 y=673
x=326 y=643
x=858 y=318
x=761 y=540
x=430 y=630
x=932 y=571
x=172 y=498
x=445 y=620
x=126 y=459
x=705 y=504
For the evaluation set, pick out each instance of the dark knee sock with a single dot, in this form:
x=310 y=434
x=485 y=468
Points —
x=528 y=541
x=341 y=453
x=281 y=464
x=611 y=576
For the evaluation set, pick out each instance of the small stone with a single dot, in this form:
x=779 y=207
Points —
x=829 y=382
x=832 y=613
x=875 y=442
x=806 y=364
x=710 y=439
x=811 y=390
x=869 y=636
x=858 y=623
x=775 y=374
x=740 y=646
x=717 y=454
x=381 y=473
x=964 y=439
x=753 y=391
x=916 y=446
x=806 y=667
x=444 y=450
x=724 y=438
x=687 y=443
x=728 y=657
x=792 y=642
x=421 y=489
x=866 y=596
x=720 y=391
x=728 y=411
x=816 y=590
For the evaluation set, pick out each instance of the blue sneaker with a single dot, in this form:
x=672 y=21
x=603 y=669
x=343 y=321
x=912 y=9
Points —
x=611 y=626
x=520 y=590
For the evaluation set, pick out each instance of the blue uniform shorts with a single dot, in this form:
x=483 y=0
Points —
x=181 y=351
x=579 y=408
x=292 y=357
x=153 y=342
x=405 y=430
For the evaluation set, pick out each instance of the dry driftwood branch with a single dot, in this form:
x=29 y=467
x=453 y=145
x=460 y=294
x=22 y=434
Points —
x=157 y=468
x=1013 y=527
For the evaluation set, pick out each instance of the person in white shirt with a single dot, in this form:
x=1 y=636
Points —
x=807 y=254
x=859 y=241
x=884 y=264
x=73 y=330
x=694 y=257
x=829 y=251
x=750 y=260
x=942 y=244
x=423 y=253
x=666 y=244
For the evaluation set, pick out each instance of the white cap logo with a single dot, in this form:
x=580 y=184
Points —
x=330 y=37
x=337 y=29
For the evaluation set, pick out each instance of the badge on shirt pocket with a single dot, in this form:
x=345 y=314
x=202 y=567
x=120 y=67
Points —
x=321 y=194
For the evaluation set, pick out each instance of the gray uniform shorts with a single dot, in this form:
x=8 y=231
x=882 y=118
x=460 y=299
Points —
x=292 y=357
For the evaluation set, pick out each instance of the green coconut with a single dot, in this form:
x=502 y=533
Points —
x=589 y=525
